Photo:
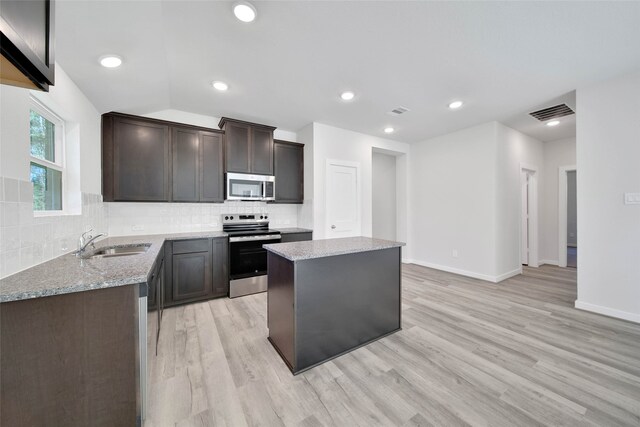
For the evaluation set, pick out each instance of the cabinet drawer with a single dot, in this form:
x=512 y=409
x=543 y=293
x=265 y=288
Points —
x=296 y=237
x=186 y=246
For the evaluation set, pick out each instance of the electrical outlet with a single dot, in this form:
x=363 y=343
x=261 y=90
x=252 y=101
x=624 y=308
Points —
x=137 y=227
x=454 y=253
x=632 y=198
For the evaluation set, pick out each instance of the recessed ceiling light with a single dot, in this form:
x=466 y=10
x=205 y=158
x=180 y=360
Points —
x=347 y=96
x=455 y=105
x=110 y=61
x=553 y=123
x=221 y=86
x=389 y=130
x=244 y=11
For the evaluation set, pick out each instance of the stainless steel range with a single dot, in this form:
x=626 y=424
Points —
x=247 y=258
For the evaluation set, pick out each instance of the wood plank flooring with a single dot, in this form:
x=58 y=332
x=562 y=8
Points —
x=470 y=353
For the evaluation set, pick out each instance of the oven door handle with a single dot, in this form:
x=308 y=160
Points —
x=254 y=238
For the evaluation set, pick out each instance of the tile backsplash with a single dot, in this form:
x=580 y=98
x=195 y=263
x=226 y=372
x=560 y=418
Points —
x=27 y=240
x=154 y=218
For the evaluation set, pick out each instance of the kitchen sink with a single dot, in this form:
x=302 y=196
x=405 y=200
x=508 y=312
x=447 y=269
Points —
x=115 y=251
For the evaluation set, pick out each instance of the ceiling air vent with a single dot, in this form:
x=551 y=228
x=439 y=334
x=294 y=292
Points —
x=398 y=110
x=552 y=112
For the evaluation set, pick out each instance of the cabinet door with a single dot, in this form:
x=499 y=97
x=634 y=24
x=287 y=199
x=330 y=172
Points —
x=191 y=276
x=262 y=151
x=186 y=165
x=140 y=161
x=152 y=292
x=160 y=301
x=211 y=167
x=289 y=173
x=27 y=45
x=237 y=145
x=220 y=261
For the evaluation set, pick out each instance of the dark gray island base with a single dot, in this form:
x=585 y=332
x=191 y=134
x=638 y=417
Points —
x=328 y=297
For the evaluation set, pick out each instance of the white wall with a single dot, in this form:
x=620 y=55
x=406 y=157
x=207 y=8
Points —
x=572 y=224
x=556 y=154
x=515 y=150
x=608 y=151
x=383 y=172
x=340 y=144
x=26 y=240
x=453 y=201
x=465 y=195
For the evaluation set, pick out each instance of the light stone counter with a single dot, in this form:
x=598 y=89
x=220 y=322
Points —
x=68 y=273
x=296 y=251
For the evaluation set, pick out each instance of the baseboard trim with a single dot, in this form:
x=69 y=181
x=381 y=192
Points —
x=549 y=262
x=473 y=274
x=610 y=312
x=508 y=274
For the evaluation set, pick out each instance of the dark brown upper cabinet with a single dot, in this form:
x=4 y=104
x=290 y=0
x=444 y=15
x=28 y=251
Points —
x=197 y=166
x=27 y=43
x=154 y=160
x=288 y=162
x=185 y=146
x=249 y=146
x=212 y=167
x=136 y=161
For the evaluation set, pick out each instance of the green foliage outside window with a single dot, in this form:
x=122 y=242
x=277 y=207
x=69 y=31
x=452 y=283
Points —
x=47 y=181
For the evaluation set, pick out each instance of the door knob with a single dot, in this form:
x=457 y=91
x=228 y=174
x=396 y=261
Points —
x=333 y=227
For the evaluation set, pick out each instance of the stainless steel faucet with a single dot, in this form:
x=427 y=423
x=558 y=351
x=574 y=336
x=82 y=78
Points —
x=85 y=241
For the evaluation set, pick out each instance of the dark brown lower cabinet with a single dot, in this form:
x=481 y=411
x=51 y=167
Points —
x=71 y=360
x=195 y=270
x=220 y=262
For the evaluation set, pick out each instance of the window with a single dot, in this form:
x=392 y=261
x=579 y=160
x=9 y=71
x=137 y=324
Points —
x=47 y=158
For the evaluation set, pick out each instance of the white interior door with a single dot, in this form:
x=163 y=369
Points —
x=343 y=199
x=524 y=228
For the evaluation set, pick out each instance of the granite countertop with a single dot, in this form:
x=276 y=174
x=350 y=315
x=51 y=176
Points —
x=293 y=230
x=68 y=273
x=298 y=251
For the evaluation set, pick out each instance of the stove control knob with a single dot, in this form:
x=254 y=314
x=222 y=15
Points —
x=226 y=217
x=265 y=217
x=261 y=217
x=231 y=217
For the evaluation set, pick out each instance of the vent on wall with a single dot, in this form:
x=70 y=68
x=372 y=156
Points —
x=552 y=112
x=398 y=110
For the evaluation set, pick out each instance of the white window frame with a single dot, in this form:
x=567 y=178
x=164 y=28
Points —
x=59 y=153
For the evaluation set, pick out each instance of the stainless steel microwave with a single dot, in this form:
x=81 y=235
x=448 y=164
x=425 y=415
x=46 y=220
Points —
x=242 y=186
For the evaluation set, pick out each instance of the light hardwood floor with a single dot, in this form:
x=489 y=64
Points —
x=470 y=353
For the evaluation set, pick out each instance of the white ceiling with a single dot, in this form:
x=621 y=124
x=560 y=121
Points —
x=531 y=126
x=288 y=67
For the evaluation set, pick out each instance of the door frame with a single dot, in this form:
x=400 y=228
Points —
x=532 y=202
x=327 y=217
x=562 y=212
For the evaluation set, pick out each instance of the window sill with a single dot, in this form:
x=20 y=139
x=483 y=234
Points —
x=38 y=214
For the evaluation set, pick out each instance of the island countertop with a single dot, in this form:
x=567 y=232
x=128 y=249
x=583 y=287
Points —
x=68 y=273
x=311 y=249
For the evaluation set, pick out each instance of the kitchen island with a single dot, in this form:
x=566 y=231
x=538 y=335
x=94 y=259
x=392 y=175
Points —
x=328 y=297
